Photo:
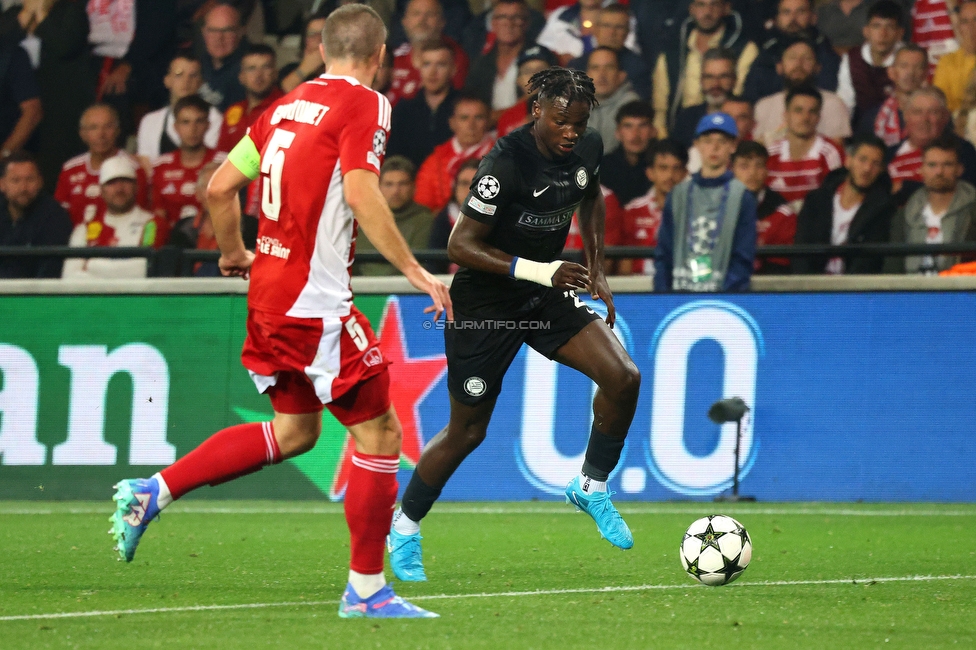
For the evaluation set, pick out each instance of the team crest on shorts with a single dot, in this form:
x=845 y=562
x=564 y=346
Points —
x=488 y=187
x=581 y=178
x=373 y=357
x=379 y=142
x=475 y=386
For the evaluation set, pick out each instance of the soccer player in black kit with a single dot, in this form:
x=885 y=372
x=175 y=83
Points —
x=507 y=241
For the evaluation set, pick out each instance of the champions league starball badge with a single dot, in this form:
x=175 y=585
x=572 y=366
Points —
x=379 y=142
x=703 y=231
x=488 y=187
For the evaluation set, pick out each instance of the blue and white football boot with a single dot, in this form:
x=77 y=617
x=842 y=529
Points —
x=135 y=506
x=611 y=525
x=383 y=604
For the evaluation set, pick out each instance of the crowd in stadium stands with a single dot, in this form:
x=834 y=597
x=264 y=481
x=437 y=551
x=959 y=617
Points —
x=848 y=121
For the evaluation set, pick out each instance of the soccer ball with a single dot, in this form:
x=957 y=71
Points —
x=715 y=550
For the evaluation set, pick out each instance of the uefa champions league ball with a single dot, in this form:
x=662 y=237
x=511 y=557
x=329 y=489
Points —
x=715 y=550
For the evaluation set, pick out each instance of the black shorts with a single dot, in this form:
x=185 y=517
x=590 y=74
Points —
x=480 y=349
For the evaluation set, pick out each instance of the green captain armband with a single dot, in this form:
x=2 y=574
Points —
x=245 y=157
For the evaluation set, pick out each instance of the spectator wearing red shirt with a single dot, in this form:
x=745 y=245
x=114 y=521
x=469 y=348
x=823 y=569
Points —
x=932 y=30
x=121 y=224
x=799 y=162
x=175 y=173
x=198 y=233
x=422 y=21
x=469 y=124
x=666 y=165
x=78 y=189
x=444 y=222
x=532 y=60
x=259 y=77
x=907 y=74
x=927 y=118
x=612 y=223
x=775 y=219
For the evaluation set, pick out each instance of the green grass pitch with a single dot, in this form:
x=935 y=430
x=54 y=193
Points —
x=217 y=574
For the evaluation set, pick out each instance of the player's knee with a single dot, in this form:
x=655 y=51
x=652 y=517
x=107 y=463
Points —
x=295 y=436
x=471 y=437
x=392 y=433
x=626 y=384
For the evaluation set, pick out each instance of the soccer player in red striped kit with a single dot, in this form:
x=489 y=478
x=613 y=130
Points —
x=318 y=153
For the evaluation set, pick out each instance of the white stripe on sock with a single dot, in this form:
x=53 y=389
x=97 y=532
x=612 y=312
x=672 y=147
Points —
x=268 y=441
x=164 y=498
x=379 y=466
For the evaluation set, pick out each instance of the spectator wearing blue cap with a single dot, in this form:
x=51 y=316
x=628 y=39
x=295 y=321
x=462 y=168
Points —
x=707 y=239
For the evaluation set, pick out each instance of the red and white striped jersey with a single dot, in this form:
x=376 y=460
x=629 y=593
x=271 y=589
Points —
x=642 y=220
x=932 y=29
x=794 y=179
x=308 y=141
x=906 y=165
x=80 y=194
x=174 y=188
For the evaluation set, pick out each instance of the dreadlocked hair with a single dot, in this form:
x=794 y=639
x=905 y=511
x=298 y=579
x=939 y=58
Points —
x=556 y=82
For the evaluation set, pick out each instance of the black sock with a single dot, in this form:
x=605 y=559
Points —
x=602 y=455
x=418 y=498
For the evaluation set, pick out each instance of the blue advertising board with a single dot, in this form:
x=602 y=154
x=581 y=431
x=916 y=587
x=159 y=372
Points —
x=858 y=396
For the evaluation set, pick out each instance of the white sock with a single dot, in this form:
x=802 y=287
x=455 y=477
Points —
x=592 y=485
x=366 y=585
x=164 y=498
x=404 y=524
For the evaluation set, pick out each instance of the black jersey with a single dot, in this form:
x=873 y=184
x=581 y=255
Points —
x=529 y=201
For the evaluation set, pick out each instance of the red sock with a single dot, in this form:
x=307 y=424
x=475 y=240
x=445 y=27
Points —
x=224 y=456
x=369 y=509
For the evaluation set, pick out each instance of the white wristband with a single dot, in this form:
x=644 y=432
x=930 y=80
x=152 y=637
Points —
x=538 y=272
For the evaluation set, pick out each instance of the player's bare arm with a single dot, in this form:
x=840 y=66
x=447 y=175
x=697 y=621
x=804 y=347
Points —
x=362 y=192
x=225 y=214
x=468 y=247
x=592 y=214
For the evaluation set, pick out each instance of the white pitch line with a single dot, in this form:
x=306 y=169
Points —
x=501 y=594
x=514 y=510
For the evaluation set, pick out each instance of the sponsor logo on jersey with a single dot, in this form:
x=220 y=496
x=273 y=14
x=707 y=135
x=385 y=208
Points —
x=373 y=357
x=551 y=221
x=172 y=174
x=488 y=187
x=188 y=188
x=475 y=386
x=483 y=208
x=271 y=246
x=581 y=178
x=77 y=177
x=300 y=111
x=379 y=142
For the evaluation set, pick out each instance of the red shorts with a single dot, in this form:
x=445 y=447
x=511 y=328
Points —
x=304 y=364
